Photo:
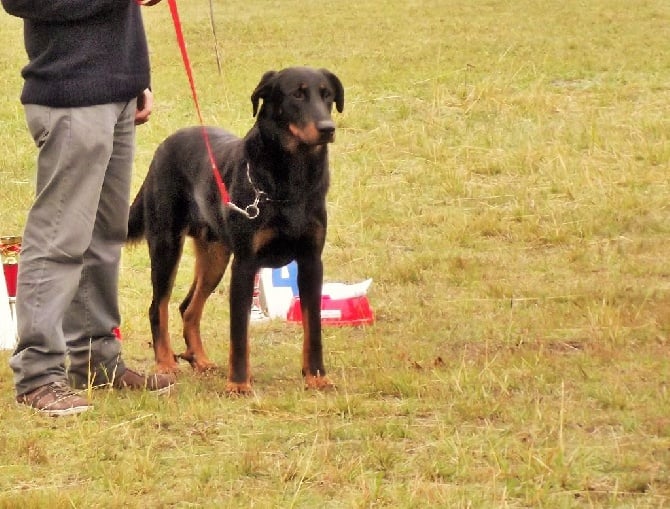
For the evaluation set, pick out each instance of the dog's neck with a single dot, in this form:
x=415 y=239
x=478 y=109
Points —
x=273 y=168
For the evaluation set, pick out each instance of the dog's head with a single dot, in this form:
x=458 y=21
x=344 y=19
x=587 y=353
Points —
x=297 y=105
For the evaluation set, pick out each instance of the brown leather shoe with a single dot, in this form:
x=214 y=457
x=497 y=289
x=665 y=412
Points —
x=56 y=399
x=158 y=383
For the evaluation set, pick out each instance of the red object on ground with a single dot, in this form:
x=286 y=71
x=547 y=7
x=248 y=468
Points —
x=10 y=247
x=117 y=333
x=338 y=312
x=11 y=271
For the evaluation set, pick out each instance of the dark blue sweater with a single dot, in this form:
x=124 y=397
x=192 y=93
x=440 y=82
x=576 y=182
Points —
x=82 y=52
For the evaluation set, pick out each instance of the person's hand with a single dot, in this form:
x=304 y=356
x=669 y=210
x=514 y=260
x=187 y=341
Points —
x=145 y=103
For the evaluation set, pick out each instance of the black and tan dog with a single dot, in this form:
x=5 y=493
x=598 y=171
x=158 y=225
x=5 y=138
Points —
x=278 y=171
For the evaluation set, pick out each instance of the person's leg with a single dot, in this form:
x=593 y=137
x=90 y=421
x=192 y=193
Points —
x=75 y=145
x=95 y=354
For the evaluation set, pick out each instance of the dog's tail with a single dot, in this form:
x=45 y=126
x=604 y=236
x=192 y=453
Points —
x=136 y=218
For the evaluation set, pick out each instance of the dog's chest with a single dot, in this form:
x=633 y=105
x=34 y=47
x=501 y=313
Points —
x=290 y=221
x=285 y=234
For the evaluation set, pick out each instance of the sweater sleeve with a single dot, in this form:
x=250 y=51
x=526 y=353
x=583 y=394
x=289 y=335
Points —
x=61 y=10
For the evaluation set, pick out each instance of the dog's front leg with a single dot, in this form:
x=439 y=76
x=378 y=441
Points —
x=241 y=293
x=310 y=281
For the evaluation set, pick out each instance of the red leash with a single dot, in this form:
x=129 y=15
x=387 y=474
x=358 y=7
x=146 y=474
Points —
x=225 y=198
x=187 y=65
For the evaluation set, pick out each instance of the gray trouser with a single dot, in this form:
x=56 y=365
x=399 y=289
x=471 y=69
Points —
x=67 y=293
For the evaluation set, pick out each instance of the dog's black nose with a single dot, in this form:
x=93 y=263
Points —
x=325 y=127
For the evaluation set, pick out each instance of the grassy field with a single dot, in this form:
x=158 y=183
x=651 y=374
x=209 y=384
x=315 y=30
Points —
x=501 y=172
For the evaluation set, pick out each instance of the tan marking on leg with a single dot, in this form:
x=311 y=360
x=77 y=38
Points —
x=305 y=343
x=242 y=389
x=316 y=381
x=239 y=387
x=211 y=260
x=165 y=357
x=320 y=383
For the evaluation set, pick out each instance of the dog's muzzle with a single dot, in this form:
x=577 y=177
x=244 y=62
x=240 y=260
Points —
x=326 y=130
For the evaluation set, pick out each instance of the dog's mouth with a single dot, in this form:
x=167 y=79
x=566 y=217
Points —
x=314 y=133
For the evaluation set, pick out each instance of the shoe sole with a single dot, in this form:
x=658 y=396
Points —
x=66 y=412
x=63 y=412
x=157 y=392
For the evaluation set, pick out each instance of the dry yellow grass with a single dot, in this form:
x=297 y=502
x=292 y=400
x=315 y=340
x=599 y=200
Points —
x=500 y=170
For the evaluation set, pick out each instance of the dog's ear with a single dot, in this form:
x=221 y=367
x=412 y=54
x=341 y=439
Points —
x=337 y=85
x=262 y=89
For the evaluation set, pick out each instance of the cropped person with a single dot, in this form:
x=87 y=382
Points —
x=86 y=86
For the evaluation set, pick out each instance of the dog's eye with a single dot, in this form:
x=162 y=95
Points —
x=299 y=94
x=326 y=94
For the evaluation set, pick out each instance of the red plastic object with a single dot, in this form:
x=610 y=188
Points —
x=338 y=312
x=10 y=247
x=11 y=270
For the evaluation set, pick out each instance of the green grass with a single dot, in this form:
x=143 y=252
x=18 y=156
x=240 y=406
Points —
x=501 y=172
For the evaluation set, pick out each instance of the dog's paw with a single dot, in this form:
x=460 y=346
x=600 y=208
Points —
x=238 y=389
x=203 y=367
x=167 y=368
x=319 y=383
x=199 y=363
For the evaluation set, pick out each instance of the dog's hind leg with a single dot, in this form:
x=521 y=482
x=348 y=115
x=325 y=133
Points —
x=242 y=278
x=165 y=254
x=310 y=280
x=211 y=259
